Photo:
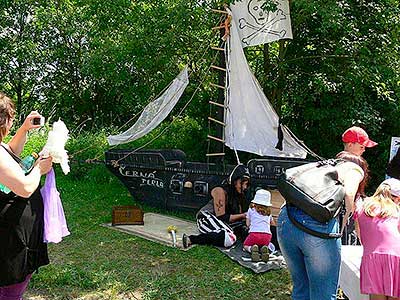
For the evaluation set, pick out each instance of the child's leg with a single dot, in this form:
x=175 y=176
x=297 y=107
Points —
x=249 y=242
x=247 y=248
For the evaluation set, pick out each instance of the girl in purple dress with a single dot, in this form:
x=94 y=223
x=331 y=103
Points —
x=378 y=219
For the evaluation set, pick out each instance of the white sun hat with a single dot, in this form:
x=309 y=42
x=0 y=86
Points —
x=262 y=197
x=394 y=186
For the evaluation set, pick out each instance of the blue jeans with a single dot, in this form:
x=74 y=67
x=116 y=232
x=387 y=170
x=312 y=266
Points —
x=313 y=262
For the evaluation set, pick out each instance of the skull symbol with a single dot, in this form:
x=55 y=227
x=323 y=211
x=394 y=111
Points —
x=259 y=11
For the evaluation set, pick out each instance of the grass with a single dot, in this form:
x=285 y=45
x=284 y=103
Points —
x=98 y=263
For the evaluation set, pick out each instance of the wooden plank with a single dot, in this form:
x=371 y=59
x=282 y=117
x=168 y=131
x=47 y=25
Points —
x=218 y=68
x=217 y=104
x=215 y=138
x=219 y=11
x=218 y=27
x=215 y=154
x=277 y=200
x=217 y=48
x=217 y=121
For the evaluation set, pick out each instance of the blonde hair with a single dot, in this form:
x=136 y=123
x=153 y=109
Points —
x=381 y=204
x=261 y=209
x=7 y=113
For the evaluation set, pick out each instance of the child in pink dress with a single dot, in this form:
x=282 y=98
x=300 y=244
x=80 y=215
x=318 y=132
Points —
x=378 y=218
x=259 y=220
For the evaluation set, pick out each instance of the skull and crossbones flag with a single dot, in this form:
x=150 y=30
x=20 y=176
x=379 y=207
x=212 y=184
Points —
x=262 y=21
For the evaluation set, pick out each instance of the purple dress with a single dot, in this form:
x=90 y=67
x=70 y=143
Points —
x=55 y=225
x=380 y=264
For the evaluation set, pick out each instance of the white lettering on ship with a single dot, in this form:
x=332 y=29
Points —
x=146 y=178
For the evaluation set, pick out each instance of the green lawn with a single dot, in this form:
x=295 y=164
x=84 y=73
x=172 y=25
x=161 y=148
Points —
x=98 y=263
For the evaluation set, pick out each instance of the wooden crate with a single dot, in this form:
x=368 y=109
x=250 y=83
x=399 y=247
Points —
x=127 y=215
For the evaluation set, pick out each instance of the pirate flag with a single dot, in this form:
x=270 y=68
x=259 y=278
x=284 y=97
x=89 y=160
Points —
x=262 y=21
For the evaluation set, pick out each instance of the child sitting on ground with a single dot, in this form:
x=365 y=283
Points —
x=378 y=222
x=259 y=220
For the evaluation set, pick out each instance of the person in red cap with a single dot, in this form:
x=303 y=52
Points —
x=355 y=140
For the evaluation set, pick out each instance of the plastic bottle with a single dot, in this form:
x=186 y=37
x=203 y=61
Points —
x=4 y=189
x=26 y=165
x=28 y=162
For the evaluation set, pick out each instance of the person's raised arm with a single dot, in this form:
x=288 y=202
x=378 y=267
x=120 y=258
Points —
x=12 y=176
x=18 y=141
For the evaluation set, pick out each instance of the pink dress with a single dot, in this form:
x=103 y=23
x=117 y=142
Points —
x=380 y=264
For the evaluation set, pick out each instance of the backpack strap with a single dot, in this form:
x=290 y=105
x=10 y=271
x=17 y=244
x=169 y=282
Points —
x=322 y=235
x=332 y=162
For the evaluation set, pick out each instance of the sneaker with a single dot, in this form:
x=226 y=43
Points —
x=255 y=254
x=264 y=253
x=185 y=241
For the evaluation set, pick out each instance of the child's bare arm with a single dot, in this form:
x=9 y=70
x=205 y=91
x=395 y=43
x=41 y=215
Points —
x=273 y=221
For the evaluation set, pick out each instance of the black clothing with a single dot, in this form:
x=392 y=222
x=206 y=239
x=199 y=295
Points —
x=217 y=230
x=22 y=250
x=209 y=238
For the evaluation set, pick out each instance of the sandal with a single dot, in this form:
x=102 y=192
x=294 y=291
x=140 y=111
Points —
x=255 y=254
x=264 y=253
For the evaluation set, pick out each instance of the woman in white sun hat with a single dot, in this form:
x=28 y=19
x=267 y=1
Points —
x=259 y=220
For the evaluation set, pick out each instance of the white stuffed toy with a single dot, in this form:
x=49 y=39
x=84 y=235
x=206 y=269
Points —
x=55 y=145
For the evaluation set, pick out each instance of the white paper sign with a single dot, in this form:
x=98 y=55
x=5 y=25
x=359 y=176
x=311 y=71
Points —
x=394 y=147
x=258 y=25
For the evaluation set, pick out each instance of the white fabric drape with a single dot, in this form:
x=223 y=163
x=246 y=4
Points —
x=257 y=25
x=155 y=112
x=251 y=122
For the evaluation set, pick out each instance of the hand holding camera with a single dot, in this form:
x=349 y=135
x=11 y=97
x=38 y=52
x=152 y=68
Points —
x=33 y=120
x=38 y=121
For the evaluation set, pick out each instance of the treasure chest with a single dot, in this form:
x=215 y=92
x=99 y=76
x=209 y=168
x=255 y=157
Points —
x=127 y=215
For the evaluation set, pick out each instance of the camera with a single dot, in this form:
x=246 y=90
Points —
x=38 y=121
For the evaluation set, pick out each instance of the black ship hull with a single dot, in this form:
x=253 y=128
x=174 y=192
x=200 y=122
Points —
x=164 y=179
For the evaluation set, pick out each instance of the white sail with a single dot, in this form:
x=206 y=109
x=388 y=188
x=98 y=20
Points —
x=251 y=122
x=155 y=112
x=257 y=24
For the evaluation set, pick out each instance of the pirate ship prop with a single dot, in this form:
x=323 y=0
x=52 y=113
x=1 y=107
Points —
x=248 y=122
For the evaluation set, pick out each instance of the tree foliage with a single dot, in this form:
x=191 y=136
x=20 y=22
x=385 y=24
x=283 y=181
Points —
x=97 y=63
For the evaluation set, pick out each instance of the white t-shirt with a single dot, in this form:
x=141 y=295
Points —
x=258 y=222
x=350 y=169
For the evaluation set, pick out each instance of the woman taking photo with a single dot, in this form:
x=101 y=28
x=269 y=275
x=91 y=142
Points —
x=22 y=250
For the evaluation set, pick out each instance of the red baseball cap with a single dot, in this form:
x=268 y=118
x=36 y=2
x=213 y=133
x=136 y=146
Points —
x=358 y=135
